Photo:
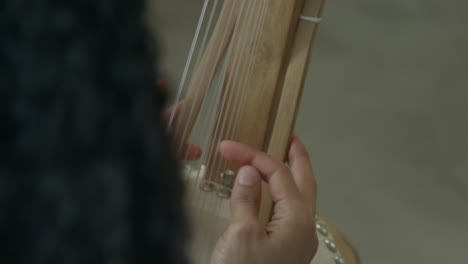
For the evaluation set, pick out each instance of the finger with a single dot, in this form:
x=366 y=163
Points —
x=301 y=168
x=163 y=86
x=274 y=172
x=190 y=152
x=172 y=113
x=246 y=195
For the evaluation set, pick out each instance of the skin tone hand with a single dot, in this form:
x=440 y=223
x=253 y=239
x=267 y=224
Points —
x=290 y=236
x=188 y=151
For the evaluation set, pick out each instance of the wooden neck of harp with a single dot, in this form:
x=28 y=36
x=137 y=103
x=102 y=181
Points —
x=266 y=51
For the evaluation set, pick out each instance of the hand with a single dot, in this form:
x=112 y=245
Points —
x=188 y=151
x=290 y=236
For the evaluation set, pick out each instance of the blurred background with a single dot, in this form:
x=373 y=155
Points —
x=385 y=118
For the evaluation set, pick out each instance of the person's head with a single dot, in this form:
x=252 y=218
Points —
x=86 y=172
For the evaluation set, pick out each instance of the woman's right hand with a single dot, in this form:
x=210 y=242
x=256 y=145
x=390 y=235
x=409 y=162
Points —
x=290 y=236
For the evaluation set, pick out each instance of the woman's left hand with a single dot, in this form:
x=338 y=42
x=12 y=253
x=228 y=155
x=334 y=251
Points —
x=187 y=151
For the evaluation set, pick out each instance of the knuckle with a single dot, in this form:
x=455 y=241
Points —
x=303 y=215
x=305 y=153
x=246 y=230
x=282 y=171
x=241 y=198
x=296 y=206
x=299 y=208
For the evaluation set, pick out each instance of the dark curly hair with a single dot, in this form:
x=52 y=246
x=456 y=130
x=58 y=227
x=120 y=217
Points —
x=86 y=173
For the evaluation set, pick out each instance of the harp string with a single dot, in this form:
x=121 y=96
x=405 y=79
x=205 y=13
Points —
x=259 y=23
x=187 y=64
x=238 y=81
x=248 y=73
x=202 y=200
x=208 y=203
x=247 y=25
x=233 y=96
x=208 y=30
x=185 y=128
x=228 y=81
x=207 y=141
x=231 y=99
x=240 y=78
x=211 y=115
x=199 y=174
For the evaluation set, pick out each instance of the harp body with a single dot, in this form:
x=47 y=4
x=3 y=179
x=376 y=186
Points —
x=245 y=86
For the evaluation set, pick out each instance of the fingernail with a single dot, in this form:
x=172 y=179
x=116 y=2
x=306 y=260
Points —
x=248 y=177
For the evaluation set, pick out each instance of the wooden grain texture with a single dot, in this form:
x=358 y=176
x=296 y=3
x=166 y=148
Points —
x=254 y=73
x=263 y=85
x=292 y=87
x=287 y=109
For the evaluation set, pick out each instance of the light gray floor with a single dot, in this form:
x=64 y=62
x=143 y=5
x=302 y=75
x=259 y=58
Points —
x=385 y=117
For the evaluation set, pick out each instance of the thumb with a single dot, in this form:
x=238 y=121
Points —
x=246 y=195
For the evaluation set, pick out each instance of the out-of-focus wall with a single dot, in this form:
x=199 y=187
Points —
x=385 y=117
